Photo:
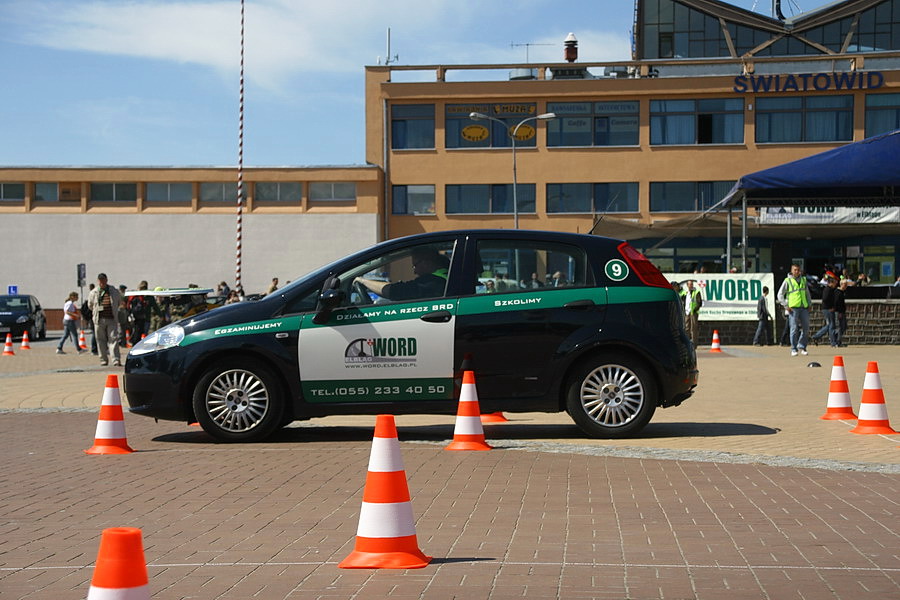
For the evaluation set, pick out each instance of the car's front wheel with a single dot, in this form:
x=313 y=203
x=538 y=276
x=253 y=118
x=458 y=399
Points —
x=238 y=401
x=611 y=396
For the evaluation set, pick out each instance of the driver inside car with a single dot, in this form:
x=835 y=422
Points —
x=430 y=269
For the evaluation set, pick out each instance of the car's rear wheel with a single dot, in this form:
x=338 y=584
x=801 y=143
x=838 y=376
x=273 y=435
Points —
x=238 y=401
x=43 y=333
x=611 y=396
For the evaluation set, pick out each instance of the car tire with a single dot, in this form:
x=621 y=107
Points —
x=238 y=400
x=611 y=395
x=43 y=333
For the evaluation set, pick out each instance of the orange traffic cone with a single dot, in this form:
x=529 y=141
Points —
x=128 y=338
x=110 y=436
x=838 y=406
x=873 y=416
x=82 y=344
x=495 y=417
x=468 y=434
x=26 y=343
x=121 y=570
x=386 y=535
x=8 y=347
x=716 y=347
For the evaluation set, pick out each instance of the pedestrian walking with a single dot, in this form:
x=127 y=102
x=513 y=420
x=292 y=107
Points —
x=104 y=301
x=830 y=326
x=794 y=296
x=71 y=318
x=761 y=338
x=840 y=312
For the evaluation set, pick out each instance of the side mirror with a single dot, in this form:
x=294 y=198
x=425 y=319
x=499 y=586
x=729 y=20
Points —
x=330 y=298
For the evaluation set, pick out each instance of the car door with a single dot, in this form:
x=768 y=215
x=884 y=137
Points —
x=542 y=305
x=391 y=347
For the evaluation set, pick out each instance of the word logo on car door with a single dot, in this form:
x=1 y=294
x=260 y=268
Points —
x=381 y=351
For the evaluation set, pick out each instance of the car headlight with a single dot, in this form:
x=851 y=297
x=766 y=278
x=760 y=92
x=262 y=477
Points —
x=167 y=337
x=22 y=319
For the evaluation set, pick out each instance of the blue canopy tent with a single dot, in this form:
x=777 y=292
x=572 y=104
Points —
x=864 y=173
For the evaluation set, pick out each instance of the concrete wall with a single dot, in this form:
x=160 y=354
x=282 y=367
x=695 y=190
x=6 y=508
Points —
x=42 y=251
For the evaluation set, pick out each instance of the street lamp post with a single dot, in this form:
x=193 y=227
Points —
x=476 y=116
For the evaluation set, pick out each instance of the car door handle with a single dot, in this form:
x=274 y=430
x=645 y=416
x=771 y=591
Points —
x=438 y=316
x=580 y=304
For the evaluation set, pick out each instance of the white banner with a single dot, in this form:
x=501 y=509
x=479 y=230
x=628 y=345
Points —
x=729 y=296
x=827 y=215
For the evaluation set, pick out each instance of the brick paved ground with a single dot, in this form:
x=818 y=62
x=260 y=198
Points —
x=549 y=515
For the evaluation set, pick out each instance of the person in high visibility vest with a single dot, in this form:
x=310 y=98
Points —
x=794 y=296
x=692 y=303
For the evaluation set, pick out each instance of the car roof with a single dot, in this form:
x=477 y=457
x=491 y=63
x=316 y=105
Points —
x=517 y=234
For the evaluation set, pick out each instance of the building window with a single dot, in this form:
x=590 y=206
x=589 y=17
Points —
x=12 y=192
x=220 y=192
x=592 y=197
x=273 y=191
x=46 y=192
x=336 y=191
x=464 y=132
x=804 y=119
x=687 y=196
x=413 y=200
x=412 y=126
x=672 y=30
x=593 y=124
x=709 y=121
x=478 y=199
x=882 y=113
x=113 y=192
x=170 y=192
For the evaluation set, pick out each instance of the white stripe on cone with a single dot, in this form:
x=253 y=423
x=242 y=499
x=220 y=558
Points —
x=385 y=455
x=870 y=411
x=110 y=430
x=468 y=426
x=135 y=593
x=386 y=520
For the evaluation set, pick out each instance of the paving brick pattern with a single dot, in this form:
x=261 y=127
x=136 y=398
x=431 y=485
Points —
x=545 y=515
x=272 y=520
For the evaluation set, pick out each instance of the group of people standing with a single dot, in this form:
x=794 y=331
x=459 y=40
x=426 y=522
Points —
x=117 y=320
x=794 y=296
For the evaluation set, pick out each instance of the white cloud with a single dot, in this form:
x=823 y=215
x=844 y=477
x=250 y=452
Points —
x=286 y=38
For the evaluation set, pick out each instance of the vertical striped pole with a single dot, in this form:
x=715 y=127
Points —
x=240 y=173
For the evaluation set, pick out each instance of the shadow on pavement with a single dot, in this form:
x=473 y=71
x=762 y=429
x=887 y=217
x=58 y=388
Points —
x=506 y=431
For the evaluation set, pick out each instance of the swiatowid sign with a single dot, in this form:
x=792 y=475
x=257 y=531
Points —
x=729 y=296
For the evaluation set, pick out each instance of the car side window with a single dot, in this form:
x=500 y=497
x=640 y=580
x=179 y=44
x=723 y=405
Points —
x=411 y=273
x=514 y=266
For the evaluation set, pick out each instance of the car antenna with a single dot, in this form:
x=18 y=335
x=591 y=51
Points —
x=600 y=216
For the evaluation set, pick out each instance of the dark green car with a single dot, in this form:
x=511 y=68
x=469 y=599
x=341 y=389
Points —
x=548 y=321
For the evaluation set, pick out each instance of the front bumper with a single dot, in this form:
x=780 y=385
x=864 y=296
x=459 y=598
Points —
x=155 y=395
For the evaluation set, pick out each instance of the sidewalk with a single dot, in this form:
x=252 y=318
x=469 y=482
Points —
x=709 y=503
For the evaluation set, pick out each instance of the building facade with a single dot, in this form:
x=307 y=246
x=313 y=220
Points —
x=642 y=150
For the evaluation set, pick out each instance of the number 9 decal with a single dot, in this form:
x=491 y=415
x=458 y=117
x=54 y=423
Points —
x=616 y=269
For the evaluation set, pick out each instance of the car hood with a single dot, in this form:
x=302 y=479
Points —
x=232 y=314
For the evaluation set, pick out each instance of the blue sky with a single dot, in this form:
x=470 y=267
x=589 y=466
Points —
x=155 y=82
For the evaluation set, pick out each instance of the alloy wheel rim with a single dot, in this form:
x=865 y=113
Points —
x=237 y=400
x=612 y=395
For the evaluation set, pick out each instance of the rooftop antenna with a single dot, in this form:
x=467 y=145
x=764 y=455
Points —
x=527 y=45
x=389 y=59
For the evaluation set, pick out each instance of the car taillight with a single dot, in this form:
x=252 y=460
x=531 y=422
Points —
x=644 y=269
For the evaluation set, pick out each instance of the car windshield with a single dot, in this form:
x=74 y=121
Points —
x=12 y=303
